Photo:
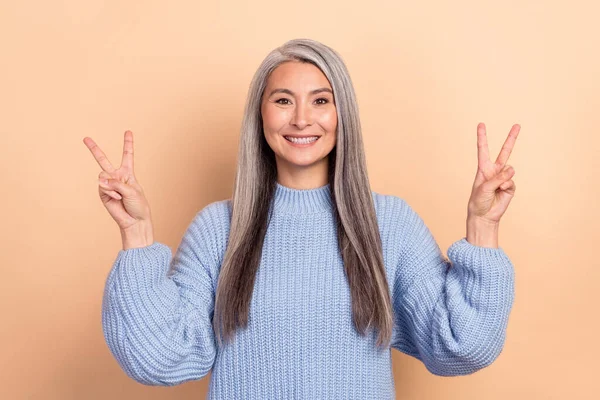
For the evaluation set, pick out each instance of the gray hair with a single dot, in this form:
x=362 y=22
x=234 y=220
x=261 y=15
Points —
x=255 y=183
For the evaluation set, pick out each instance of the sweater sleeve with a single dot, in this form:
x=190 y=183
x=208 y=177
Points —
x=452 y=313
x=157 y=309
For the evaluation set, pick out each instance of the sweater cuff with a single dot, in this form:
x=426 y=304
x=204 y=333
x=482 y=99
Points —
x=479 y=258
x=152 y=261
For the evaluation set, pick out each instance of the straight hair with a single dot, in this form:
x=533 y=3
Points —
x=353 y=207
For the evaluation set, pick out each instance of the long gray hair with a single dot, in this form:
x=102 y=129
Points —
x=255 y=183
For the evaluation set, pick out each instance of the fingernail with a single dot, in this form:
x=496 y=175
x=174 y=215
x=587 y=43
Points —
x=103 y=181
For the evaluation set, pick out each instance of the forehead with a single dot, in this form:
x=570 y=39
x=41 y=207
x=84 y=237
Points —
x=295 y=74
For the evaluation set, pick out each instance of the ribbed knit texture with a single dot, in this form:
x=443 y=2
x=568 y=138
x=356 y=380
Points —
x=300 y=342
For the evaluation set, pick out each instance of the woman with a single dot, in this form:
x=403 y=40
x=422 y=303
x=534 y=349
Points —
x=299 y=285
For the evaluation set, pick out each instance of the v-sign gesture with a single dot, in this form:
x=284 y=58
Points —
x=493 y=188
x=119 y=189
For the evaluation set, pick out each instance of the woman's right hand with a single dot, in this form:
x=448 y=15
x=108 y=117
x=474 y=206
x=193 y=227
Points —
x=122 y=195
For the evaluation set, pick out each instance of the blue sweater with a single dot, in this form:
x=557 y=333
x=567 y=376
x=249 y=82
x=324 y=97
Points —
x=300 y=342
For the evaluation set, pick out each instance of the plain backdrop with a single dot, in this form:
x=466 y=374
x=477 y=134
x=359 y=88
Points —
x=177 y=74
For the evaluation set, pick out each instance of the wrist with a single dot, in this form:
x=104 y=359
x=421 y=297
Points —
x=482 y=233
x=138 y=235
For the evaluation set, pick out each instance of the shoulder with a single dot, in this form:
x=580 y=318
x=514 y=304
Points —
x=215 y=216
x=390 y=209
x=397 y=219
x=217 y=212
x=388 y=202
x=209 y=228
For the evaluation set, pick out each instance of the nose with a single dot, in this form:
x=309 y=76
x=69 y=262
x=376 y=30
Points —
x=301 y=116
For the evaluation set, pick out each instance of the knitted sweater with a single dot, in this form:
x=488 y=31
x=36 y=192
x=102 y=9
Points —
x=300 y=342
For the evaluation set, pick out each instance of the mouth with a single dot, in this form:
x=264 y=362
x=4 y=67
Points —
x=300 y=140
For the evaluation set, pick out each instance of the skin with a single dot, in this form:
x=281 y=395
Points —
x=492 y=190
x=300 y=112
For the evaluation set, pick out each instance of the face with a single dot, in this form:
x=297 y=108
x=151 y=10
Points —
x=298 y=101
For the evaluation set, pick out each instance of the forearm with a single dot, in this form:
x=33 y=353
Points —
x=150 y=326
x=457 y=317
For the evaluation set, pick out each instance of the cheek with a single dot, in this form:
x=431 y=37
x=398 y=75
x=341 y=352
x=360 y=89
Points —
x=273 y=118
x=328 y=120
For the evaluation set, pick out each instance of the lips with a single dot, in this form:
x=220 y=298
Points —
x=309 y=142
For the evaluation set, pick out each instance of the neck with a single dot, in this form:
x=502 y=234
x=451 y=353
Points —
x=305 y=177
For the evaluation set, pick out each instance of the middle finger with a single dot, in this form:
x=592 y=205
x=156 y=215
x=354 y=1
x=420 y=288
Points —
x=509 y=143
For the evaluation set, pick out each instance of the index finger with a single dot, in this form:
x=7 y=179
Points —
x=508 y=145
x=98 y=155
x=127 y=160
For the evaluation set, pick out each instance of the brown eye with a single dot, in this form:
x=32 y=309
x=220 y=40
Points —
x=278 y=101
x=324 y=99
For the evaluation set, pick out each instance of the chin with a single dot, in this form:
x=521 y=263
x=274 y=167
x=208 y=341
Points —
x=303 y=161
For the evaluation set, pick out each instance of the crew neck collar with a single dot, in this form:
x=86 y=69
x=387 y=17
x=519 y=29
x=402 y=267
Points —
x=291 y=200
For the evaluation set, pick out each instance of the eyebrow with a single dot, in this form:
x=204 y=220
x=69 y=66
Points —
x=288 y=91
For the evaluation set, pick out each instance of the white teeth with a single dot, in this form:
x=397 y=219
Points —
x=302 y=140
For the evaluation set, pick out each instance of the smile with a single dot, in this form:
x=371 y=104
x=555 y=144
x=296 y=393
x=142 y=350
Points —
x=301 y=142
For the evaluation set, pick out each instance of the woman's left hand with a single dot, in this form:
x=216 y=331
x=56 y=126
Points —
x=493 y=188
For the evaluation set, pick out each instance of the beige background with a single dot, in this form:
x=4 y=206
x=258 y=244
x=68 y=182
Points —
x=177 y=75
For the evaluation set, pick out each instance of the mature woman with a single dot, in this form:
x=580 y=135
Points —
x=299 y=285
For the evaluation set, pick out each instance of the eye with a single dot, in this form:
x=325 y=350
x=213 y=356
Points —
x=287 y=101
